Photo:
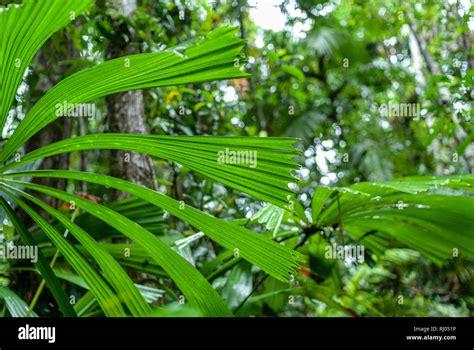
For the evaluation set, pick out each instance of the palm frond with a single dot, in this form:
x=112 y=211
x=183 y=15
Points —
x=215 y=57
x=24 y=29
x=193 y=285
x=133 y=208
x=15 y=305
x=43 y=266
x=277 y=260
x=267 y=181
x=114 y=273
x=430 y=215
x=106 y=298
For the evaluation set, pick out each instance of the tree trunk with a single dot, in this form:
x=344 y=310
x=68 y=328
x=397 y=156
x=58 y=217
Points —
x=58 y=130
x=419 y=46
x=127 y=114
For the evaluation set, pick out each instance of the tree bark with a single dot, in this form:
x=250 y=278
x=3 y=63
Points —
x=126 y=112
x=58 y=130
x=127 y=115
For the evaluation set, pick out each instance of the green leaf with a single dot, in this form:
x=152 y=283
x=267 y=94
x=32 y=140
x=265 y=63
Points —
x=140 y=260
x=24 y=29
x=437 y=226
x=8 y=231
x=15 y=305
x=238 y=284
x=193 y=285
x=114 y=273
x=106 y=298
x=268 y=181
x=51 y=281
x=133 y=208
x=277 y=260
x=413 y=211
x=320 y=197
x=417 y=184
x=215 y=57
x=271 y=216
x=149 y=294
x=176 y=310
x=85 y=304
x=275 y=294
x=296 y=72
